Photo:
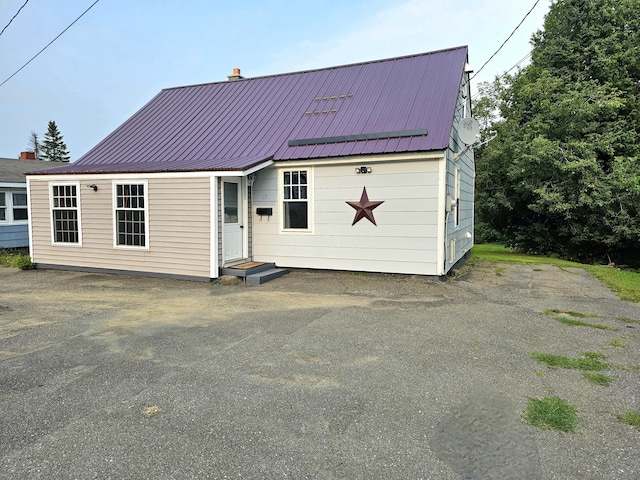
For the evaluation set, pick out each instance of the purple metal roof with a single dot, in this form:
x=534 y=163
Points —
x=235 y=125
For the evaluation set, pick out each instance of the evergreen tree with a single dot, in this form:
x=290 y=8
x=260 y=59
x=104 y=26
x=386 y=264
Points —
x=564 y=174
x=53 y=148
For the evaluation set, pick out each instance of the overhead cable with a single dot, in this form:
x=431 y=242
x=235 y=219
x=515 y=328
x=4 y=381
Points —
x=508 y=38
x=12 y=18
x=49 y=44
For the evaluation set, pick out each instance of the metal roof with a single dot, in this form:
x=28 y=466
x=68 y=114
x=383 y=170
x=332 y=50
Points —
x=403 y=104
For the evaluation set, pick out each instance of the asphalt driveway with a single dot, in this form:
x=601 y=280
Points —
x=318 y=375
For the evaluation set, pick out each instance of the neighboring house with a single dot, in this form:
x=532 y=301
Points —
x=357 y=167
x=14 y=215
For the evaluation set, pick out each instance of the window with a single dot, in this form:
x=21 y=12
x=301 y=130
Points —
x=64 y=212
x=295 y=198
x=20 y=211
x=3 y=207
x=130 y=215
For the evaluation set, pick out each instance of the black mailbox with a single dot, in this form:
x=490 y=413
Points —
x=268 y=211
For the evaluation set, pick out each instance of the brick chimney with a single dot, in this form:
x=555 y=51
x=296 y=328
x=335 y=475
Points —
x=27 y=156
x=236 y=75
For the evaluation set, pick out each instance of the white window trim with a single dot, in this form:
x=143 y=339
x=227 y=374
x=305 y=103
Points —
x=130 y=181
x=9 y=206
x=78 y=208
x=310 y=209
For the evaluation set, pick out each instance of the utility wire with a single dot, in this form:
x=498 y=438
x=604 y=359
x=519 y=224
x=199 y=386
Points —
x=49 y=44
x=505 y=42
x=12 y=18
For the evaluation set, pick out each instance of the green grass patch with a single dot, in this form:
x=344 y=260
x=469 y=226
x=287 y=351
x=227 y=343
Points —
x=627 y=320
x=499 y=271
x=618 y=343
x=599 y=378
x=9 y=258
x=552 y=413
x=562 y=317
x=630 y=418
x=625 y=283
x=589 y=361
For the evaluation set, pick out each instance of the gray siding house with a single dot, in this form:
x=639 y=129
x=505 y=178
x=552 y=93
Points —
x=14 y=214
x=355 y=167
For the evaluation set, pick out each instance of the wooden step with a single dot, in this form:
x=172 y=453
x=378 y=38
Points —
x=254 y=273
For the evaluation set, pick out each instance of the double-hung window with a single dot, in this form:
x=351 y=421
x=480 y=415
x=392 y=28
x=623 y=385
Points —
x=20 y=211
x=65 y=217
x=130 y=215
x=13 y=207
x=3 y=207
x=295 y=184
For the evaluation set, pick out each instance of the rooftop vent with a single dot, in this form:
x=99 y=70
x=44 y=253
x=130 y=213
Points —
x=235 y=76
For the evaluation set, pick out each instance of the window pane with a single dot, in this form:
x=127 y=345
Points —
x=294 y=178
x=287 y=178
x=303 y=192
x=2 y=200
x=287 y=193
x=19 y=199
x=295 y=215
x=295 y=192
x=20 y=214
x=303 y=177
x=3 y=215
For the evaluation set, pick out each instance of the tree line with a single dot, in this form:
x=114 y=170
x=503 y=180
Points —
x=52 y=148
x=563 y=175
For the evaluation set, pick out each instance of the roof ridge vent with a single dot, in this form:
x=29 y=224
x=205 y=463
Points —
x=235 y=76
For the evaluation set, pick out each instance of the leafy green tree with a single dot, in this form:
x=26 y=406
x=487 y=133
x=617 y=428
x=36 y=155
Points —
x=564 y=174
x=53 y=147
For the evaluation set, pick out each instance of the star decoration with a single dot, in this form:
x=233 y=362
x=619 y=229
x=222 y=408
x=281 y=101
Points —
x=364 y=208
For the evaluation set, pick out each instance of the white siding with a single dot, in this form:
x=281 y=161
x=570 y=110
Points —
x=179 y=233
x=405 y=239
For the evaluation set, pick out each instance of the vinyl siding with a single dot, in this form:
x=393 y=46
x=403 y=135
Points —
x=14 y=236
x=178 y=237
x=405 y=239
x=466 y=165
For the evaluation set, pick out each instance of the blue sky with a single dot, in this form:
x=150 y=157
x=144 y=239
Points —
x=123 y=52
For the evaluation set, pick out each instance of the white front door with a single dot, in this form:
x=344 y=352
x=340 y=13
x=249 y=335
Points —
x=232 y=222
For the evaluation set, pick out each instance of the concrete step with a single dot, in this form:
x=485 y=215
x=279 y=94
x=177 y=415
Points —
x=265 y=275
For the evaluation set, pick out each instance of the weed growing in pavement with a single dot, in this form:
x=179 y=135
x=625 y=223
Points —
x=590 y=361
x=11 y=258
x=599 y=378
x=552 y=413
x=630 y=418
x=627 y=320
x=562 y=316
x=499 y=271
x=617 y=343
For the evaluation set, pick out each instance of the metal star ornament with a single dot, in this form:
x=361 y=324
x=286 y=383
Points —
x=364 y=208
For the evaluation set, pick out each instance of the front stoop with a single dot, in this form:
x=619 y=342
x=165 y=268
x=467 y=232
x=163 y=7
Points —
x=255 y=273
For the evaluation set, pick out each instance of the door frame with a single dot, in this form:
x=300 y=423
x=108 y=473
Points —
x=242 y=218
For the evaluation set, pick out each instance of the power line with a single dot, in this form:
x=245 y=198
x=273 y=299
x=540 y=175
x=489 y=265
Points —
x=49 y=44
x=508 y=38
x=12 y=18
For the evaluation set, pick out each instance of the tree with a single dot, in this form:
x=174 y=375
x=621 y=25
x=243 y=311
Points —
x=53 y=148
x=564 y=174
x=34 y=144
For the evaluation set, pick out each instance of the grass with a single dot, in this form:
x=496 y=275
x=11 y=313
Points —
x=552 y=413
x=630 y=418
x=561 y=316
x=599 y=378
x=625 y=283
x=590 y=361
x=11 y=258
